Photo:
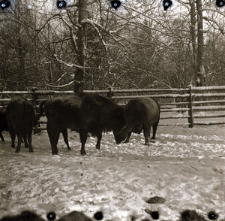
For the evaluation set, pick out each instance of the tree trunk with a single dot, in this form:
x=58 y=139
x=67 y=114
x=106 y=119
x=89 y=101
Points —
x=200 y=53
x=21 y=54
x=193 y=33
x=81 y=56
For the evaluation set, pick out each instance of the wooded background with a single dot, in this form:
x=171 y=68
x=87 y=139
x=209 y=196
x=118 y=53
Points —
x=90 y=45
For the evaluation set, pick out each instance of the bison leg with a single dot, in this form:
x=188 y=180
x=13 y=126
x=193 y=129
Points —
x=25 y=139
x=147 y=130
x=29 y=133
x=99 y=138
x=13 y=136
x=53 y=133
x=65 y=137
x=83 y=139
x=2 y=138
x=128 y=137
x=19 y=136
x=155 y=125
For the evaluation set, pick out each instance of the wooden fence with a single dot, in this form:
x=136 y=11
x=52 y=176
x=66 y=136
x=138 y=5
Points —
x=186 y=107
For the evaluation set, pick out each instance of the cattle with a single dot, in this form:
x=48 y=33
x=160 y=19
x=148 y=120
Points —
x=140 y=114
x=84 y=113
x=21 y=118
x=3 y=123
x=64 y=129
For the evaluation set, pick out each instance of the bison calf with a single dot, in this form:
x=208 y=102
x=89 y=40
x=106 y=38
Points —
x=3 y=123
x=140 y=114
x=21 y=118
x=84 y=113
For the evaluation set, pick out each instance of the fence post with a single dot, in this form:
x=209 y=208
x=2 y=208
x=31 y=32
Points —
x=190 y=111
x=34 y=96
x=110 y=93
x=34 y=102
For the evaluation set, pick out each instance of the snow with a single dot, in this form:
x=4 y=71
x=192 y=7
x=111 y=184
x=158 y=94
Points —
x=184 y=165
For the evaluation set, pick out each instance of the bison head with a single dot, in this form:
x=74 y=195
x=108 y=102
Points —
x=124 y=127
x=119 y=137
x=119 y=123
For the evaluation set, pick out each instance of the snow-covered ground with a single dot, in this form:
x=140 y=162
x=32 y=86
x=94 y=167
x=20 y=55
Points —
x=184 y=165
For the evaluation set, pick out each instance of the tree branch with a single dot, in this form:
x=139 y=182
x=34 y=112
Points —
x=68 y=64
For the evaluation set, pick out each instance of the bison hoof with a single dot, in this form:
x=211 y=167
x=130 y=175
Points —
x=12 y=146
x=17 y=151
x=31 y=150
x=83 y=153
x=69 y=148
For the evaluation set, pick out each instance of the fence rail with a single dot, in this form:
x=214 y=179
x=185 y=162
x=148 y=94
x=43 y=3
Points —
x=179 y=106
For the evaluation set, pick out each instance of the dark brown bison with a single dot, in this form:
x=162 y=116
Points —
x=3 y=123
x=84 y=113
x=140 y=114
x=21 y=118
x=64 y=129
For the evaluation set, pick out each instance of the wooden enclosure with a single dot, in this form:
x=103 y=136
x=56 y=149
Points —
x=179 y=106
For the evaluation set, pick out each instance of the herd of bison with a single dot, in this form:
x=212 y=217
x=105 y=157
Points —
x=84 y=113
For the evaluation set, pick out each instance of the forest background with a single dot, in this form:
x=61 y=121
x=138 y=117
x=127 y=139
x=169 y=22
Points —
x=90 y=45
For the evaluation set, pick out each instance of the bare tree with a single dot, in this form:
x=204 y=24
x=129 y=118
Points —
x=92 y=46
x=200 y=52
x=81 y=43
